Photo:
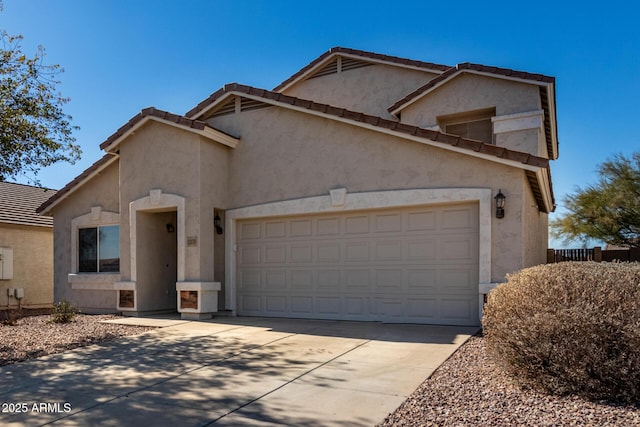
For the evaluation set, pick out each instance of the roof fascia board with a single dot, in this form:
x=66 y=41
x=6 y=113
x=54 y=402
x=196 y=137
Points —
x=211 y=106
x=551 y=99
x=73 y=189
x=392 y=132
x=545 y=187
x=207 y=132
x=25 y=224
x=460 y=72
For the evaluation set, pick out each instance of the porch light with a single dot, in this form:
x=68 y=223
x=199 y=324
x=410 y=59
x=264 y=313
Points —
x=500 y=204
x=217 y=223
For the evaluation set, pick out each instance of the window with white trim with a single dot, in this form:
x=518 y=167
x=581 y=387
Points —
x=99 y=249
x=472 y=124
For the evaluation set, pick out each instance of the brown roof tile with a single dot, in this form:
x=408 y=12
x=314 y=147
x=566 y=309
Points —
x=18 y=204
x=363 y=54
x=76 y=181
x=375 y=121
x=472 y=67
x=153 y=112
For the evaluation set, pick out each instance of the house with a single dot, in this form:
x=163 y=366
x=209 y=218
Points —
x=363 y=187
x=26 y=248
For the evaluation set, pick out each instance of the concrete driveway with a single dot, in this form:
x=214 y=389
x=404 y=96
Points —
x=230 y=372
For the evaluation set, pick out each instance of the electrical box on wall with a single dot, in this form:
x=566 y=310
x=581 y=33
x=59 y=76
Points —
x=6 y=263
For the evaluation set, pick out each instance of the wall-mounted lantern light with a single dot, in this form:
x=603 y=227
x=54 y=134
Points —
x=217 y=222
x=170 y=228
x=500 y=204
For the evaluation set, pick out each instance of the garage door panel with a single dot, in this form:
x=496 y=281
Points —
x=422 y=221
x=356 y=224
x=356 y=251
x=401 y=265
x=274 y=254
x=329 y=280
x=388 y=223
x=301 y=280
x=301 y=228
x=328 y=305
x=357 y=279
x=275 y=279
x=457 y=309
x=300 y=252
x=250 y=231
x=328 y=252
x=423 y=250
x=422 y=308
x=422 y=280
x=389 y=280
x=274 y=229
x=390 y=250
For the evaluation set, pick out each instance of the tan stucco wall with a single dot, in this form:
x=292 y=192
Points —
x=371 y=89
x=468 y=92
x=101 y=191
x=180 y=163
x=535 y=231
x=32 y=265
x=307 y=156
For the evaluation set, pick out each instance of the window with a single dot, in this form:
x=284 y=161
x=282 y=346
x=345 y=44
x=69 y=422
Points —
x=99 y=249
x=473 y=124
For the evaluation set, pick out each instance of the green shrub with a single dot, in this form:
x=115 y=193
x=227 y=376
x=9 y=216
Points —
x=63 y=312
x=569 y=328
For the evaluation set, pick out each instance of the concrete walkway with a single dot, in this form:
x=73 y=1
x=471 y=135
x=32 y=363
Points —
x=230 y=372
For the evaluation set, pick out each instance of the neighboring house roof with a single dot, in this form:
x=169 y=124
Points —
x=18 y=203
x=318 y=63
x=86 y=175
x=547 y=94
x=170 y=119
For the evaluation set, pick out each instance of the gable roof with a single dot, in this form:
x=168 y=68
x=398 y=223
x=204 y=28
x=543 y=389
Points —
x=170 y=119
x=547 y=94
x=18 y=204
x=452 y=142
x=78 y=181
x=317 y=64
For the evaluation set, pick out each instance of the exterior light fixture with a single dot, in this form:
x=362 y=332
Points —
x=500 y=204
x=170 y=228
x=217 y=223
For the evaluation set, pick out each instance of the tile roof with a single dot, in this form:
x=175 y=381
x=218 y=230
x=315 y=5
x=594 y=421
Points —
x=103 y=162
x=153 y=112
x=460 y=68
x=18 y=204
x=427 y=66
x=374 y=121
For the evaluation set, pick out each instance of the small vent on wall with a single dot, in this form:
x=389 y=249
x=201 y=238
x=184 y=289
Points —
x=330 y=68
x=247 y=104
x=351 y=64
x=228 y=108
x=341 y=64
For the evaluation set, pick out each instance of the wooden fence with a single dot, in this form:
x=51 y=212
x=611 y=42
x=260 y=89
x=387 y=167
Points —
x=593 y=254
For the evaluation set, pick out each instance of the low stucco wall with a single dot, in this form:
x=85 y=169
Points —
x=32 y=265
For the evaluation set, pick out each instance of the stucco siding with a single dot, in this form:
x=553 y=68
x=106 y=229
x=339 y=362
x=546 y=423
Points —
x=371 y=89
x=535 y=229
x=469 y=92
x=32 y=265
x=305 y=156
x=102 y=190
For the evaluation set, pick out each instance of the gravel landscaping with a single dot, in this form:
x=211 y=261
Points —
x=34 y=336
x=470 y=390
x=467 y=390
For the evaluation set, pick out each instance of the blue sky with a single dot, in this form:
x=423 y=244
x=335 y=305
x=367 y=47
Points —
x=121 y=56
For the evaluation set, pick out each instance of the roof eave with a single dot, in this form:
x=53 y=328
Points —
x=76 y=183
x=207 y=132
x=535 y=165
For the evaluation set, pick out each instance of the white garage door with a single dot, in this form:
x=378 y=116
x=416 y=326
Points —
x=415 y=265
